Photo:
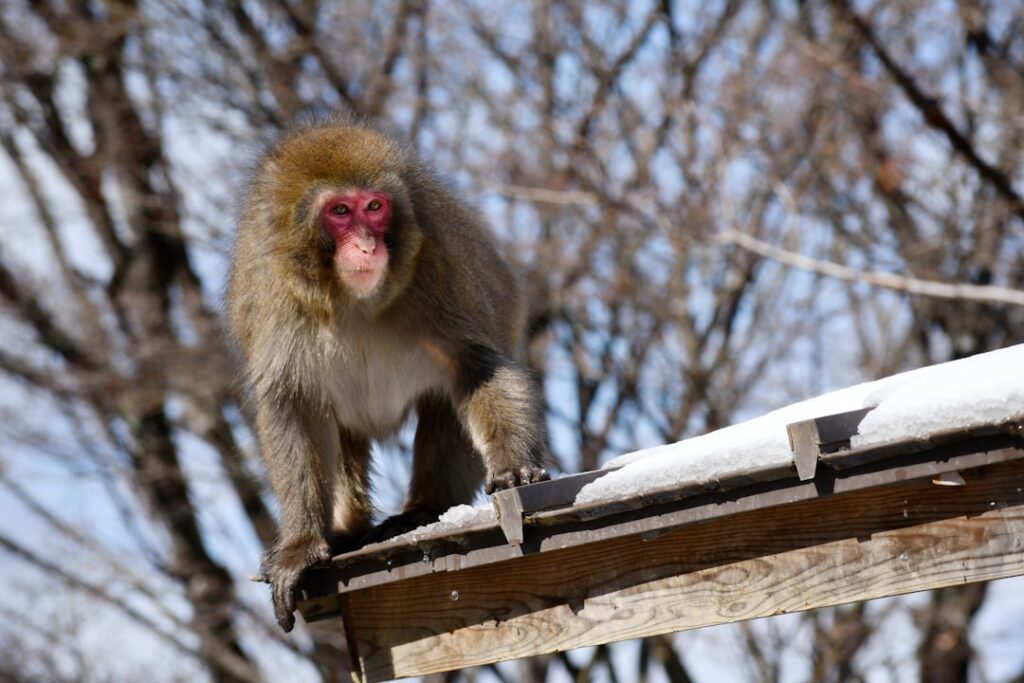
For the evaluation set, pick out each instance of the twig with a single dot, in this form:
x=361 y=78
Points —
x=543 y=195
x=990 y=294
x=932 y=113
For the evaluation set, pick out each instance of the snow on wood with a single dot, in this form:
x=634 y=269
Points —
x=457 y=518
x=980 y=390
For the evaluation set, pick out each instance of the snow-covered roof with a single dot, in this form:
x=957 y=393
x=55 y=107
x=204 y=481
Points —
x=986 y=389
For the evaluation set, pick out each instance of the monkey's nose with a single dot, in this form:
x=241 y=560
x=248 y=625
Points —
x=366 y=243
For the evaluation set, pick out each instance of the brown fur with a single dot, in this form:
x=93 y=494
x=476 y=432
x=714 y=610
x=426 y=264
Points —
x=330 y=371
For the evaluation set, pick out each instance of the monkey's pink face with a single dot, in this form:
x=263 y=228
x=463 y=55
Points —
x=356 y=220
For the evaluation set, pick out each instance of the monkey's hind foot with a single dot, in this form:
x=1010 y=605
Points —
x=396 y=525
x=519 y=476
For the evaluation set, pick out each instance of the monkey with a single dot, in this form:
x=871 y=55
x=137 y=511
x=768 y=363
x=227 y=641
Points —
x=360 y=290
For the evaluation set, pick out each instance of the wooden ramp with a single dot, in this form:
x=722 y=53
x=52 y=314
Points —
x=837 y=525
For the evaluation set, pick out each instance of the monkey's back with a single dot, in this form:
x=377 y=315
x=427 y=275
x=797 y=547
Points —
x=480 y=284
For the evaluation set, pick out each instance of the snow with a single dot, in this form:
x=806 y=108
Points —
x=980 y=390
x=457 y=518
x=983 y=389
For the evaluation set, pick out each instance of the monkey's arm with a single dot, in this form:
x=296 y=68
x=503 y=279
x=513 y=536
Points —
x=300 y=444
x=500 y=407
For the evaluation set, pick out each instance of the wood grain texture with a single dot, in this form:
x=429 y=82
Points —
x=885 y=541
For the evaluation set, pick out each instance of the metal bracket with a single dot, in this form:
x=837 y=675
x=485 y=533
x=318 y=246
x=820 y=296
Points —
x=809 y=439
x=803 y=441
x=509 y=508
x=512 y=505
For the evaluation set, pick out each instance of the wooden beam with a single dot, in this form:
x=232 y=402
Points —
x=888 y=540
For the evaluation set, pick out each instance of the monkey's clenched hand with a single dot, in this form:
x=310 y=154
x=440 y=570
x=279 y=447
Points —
x=282 y=568
x=361 y=290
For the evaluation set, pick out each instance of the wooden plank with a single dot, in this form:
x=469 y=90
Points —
x=850 y=547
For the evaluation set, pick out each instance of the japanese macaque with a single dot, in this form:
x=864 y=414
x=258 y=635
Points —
x=361 y=289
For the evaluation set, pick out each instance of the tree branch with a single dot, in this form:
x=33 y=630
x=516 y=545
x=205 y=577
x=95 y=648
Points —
x=225 y=658
x=931 y=111
x=989 y=294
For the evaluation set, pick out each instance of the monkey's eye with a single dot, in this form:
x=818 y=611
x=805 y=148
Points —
x=374 y=205
x=339 y=209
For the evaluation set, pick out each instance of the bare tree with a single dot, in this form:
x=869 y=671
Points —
x=721 y=208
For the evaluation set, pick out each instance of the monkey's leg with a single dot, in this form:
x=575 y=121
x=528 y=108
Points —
x=352 y=509
x=445 y=469
x=501 y=409
x=300 y=443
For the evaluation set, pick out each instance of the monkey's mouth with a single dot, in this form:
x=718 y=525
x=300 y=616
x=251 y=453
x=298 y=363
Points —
x=362 y=274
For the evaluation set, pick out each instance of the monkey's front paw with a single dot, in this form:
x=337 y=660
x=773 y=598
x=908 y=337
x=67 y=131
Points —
x=398 y=524
x=506 y=479
x=283 y=566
